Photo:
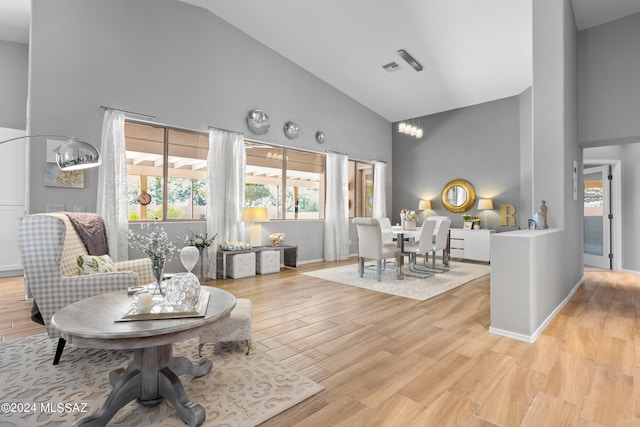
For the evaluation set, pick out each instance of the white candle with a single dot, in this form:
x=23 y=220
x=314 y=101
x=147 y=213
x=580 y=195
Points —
x=144 y=301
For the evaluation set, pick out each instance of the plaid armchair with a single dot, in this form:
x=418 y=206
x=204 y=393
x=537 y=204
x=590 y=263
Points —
x=49 y=248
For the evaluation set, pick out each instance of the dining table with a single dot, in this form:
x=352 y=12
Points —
x=401 y=235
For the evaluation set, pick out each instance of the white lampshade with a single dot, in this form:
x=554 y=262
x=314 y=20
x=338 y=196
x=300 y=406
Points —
x=255 y=214
x=485 y=204
x=423 y=205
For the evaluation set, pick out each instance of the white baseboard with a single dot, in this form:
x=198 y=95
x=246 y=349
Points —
x=533 y=337
x=510 y=334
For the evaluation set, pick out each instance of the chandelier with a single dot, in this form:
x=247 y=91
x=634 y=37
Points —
x=409 y=129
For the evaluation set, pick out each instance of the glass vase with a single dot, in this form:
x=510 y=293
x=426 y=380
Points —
x=183 y=291
x=203 y=261
x=157 y=269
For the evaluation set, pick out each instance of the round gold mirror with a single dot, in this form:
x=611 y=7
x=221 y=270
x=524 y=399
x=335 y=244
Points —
x=458 y=196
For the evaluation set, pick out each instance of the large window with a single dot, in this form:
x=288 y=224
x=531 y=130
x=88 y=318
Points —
x=164 y=161
x=360 y=189
x=290 y=183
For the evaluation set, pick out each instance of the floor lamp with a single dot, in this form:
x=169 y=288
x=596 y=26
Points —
x=71 y=155
x=255 y=215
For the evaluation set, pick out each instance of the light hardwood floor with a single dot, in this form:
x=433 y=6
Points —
x=390 y=361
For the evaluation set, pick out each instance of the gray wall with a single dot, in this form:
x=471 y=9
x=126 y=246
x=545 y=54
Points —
x=190 y=69
x=555 y=146
x=609 y=107
x=609 y=96
x=526 y=208
x=14 y=64
x=629 y=156
x=480 y=143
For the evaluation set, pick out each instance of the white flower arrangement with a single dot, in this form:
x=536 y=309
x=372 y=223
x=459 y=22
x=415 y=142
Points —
x=199 y=240
x=277 y=238
x=155 y=243
x=409 y=215
x=235 y=246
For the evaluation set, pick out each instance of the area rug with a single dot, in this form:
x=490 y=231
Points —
x=413 y=286
x=241 y=390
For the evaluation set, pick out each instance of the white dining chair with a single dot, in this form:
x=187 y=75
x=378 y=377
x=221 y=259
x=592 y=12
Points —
x=423 y=246
x=440 y=243
x=370 y=244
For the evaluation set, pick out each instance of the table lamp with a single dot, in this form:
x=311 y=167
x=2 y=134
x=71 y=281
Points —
x=73 y=154
x=484 y=205
x=255 y=215
x=424 y=205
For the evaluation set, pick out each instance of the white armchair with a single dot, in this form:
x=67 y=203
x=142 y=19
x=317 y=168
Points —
x=371 y=245
x=49 y=248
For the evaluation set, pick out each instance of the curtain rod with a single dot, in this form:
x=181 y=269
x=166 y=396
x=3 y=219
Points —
x=128 y=112
x=376 y=160
x=337 y=152
x=226 y=130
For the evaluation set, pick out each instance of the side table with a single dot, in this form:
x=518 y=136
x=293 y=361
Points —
x=289 y=257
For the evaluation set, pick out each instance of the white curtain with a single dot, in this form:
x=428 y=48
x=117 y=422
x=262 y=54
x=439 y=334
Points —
x=226 y=164
x=336 y=221
x=379 y=192
x=112 y=184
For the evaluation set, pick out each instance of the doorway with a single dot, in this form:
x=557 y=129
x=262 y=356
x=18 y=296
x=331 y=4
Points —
x=602 y=206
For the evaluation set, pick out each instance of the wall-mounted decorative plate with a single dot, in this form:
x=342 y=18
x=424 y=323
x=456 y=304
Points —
x=291 y=130
x=258 y=122
x=321 y=137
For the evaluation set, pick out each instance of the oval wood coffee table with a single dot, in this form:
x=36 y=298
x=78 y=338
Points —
x=153 y=374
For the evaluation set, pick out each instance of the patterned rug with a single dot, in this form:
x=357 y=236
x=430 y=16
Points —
x=415 y=285
x=240 y=390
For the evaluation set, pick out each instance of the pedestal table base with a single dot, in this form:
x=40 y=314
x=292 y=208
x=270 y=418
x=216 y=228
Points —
x=152 y=377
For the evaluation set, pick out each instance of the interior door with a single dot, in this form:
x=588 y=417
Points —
x=597 y=219
x=13 y=162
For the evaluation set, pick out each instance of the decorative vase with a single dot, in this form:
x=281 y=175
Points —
x=203 y=261
x=189 y=256
x=183 y=291
x=409 y=224
x=157 y=269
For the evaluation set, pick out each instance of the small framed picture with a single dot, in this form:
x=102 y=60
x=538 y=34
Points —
x=468 y=225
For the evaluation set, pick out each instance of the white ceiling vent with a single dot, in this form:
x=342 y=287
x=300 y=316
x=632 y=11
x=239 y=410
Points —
x=391 y=67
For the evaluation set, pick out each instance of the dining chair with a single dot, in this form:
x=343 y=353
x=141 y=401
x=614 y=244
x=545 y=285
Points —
x=370 y=245
x=440 y=243
x=385 y=227
x=424 y=244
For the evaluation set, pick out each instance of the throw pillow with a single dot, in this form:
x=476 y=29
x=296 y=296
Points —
x=90 y=264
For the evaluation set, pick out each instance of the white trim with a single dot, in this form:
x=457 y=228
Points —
x=533 y=337
x=509 y=334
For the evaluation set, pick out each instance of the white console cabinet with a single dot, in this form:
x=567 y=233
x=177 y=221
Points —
x=470 y=244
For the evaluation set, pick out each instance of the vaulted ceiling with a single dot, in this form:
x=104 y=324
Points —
x=471 y=51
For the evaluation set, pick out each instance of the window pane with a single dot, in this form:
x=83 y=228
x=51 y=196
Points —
x=593 y=213
x=360 y=189
x=263 y=181
x=352 y=188
x=305 y=185
x=187 y=163
x=144 y=144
